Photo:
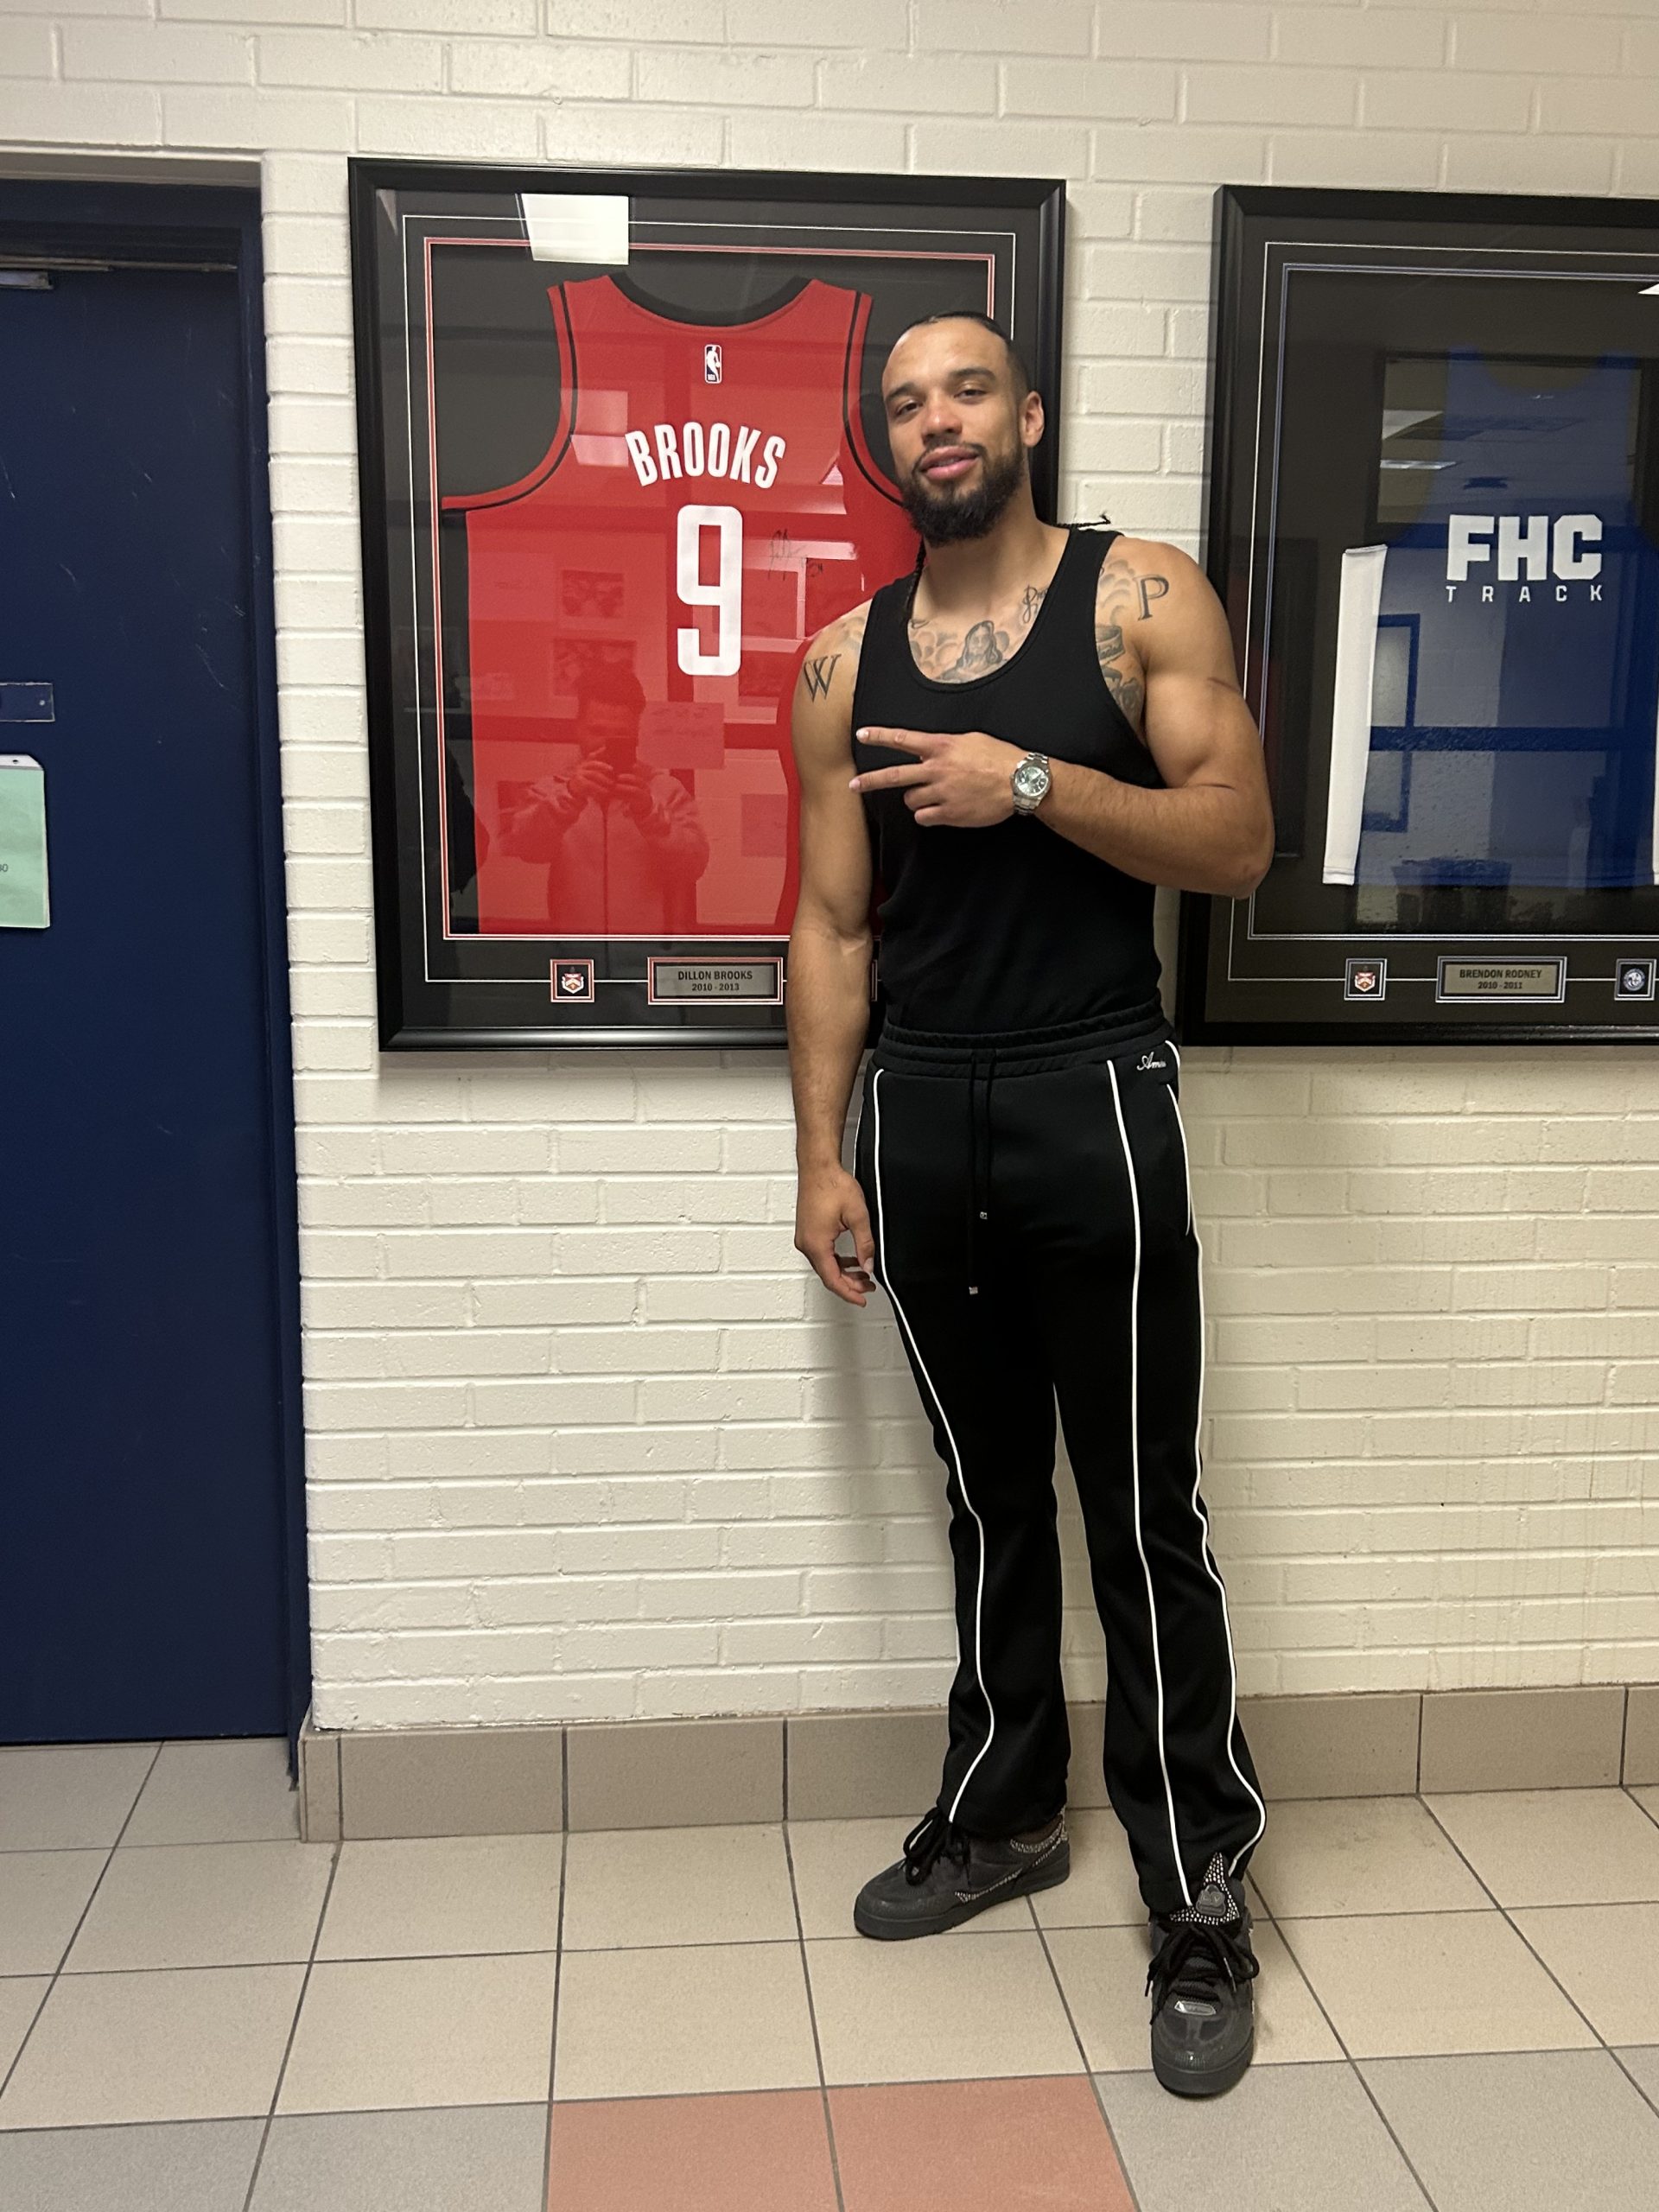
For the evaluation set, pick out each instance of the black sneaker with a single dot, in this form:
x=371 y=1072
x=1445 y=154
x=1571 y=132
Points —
x=1202 y=2008
x=945 y=1876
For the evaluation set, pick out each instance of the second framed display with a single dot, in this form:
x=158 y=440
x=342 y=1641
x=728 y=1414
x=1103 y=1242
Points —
x=1434 y=521
x=623 y=455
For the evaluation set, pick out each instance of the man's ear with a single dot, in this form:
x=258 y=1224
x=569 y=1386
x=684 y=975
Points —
x=1031 y=418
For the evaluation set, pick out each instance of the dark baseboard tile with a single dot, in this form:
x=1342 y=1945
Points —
x=1543 y=1738
x=409 y=1781
x=319 y=1785
x=1363 y=1744
x=1086 y=1781
x=646 y=1774
x=816 y=1766
x=1642 y=1734
x=850 y=1766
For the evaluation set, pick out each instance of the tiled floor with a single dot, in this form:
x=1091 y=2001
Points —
x=1459 y=2007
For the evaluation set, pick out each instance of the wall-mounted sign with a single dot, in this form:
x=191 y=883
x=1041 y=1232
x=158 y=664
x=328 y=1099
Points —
x=24 y=903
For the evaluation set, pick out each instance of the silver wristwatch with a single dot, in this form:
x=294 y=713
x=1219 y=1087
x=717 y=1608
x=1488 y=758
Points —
x=1031 y=780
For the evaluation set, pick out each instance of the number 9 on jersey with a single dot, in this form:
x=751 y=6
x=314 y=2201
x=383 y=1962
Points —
x=726 y=592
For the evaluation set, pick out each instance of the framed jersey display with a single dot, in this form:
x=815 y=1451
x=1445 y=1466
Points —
x=1435 y=522
x=623 y=455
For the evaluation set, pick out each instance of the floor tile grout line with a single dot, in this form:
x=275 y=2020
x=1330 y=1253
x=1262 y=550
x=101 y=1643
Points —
x=1488 y=1903
x=1601 y=2040
x=74 y=1933
x=1348 y=2060
x=661 y=2097
x=1648 y=1814
x=1089 y=2074
x=1417 y=1772
x=293 y=2030
x=368 y=1959
x=812 y=2016
x=1510 y=1920
x=692 y=1943
x=1648 y=2096
x=295 y=1842
x=706 y=1944
x=558 y=1977
x=250 y=2119
x=178 y=1843
x=34 y=2022
x=293 y=1836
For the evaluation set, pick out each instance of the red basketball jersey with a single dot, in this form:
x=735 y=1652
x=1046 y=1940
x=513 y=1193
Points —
x=706 y=504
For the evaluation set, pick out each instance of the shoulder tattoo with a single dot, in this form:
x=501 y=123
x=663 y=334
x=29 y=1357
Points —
x=1129 y=595
x=839 y=643
x=819 y=673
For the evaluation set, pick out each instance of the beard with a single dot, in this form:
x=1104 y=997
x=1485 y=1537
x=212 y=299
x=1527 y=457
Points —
x=948 y=518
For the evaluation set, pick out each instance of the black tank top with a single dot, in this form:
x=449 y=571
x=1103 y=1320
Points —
x=1014 y=926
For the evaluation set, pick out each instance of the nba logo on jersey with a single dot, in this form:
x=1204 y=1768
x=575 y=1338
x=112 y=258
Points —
x=713 y=362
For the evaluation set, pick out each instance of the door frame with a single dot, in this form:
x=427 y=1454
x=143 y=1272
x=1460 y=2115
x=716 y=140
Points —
x=217 y=224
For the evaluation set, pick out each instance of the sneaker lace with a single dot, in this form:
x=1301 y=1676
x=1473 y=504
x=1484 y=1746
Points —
x=934 y=1834
x=1194 y=1959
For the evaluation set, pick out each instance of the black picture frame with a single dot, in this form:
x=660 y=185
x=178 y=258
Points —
x=1325 y=305
x=446 y=978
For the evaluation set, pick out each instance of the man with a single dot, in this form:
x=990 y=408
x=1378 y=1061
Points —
x=1069 y=732
x=623 y=842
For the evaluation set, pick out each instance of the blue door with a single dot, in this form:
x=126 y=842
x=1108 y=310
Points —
x=146 y=1236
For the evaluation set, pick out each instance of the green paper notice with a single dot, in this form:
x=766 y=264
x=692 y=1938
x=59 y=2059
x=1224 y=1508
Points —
x=22 y=843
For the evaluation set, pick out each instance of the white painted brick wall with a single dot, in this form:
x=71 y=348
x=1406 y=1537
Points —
x=585 y=1438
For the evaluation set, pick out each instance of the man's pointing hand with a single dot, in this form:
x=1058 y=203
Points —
x=961 y=780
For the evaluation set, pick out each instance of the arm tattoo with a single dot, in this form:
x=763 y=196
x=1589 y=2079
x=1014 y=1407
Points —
x=1127 y=595
x=1122 y=681
x=1124 y=588
x=846 y=636
x=816 y=674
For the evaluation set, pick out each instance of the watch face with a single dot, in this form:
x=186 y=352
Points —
x=1030 y=779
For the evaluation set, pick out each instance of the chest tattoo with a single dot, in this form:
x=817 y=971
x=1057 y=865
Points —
x=952 y=656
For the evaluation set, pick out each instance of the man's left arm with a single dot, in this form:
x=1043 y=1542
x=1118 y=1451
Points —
x=1164 y=649
x=1167 y=655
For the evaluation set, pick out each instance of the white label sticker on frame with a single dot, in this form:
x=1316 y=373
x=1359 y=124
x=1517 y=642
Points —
x=590 y=227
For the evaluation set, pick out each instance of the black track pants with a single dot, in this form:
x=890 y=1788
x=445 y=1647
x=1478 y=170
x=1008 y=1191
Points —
x=1029 y=1198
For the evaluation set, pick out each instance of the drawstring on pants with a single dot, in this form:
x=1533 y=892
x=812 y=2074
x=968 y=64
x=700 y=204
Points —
x=980 y=1056
x=979 y=1190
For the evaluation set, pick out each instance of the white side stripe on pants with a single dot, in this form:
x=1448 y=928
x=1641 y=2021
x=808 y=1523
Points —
x=956 y=1455
x=1134 y=1468
x=1199 y=1513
